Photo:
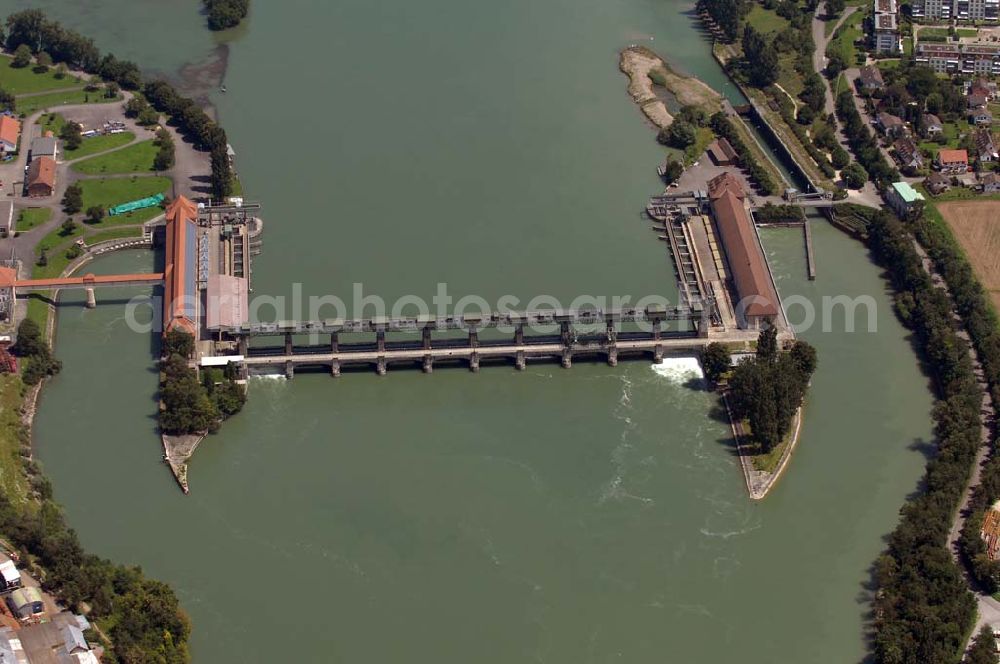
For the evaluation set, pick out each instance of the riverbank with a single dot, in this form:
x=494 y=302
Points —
x=760 y=482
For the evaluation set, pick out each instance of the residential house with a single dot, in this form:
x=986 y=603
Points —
x=980 y=117
x=885 y=27
x=41 y=177
x=975 y=100
x=890 y=125
x=937 y=183
x=908 y=154
x=902 y=198
x=10 y=130
x=871 y=79
x=986 y=150
x=990 y=183
x=45 y=146
x=58 y=641
x=983 y=87
x=952 y=161
x=932 y=125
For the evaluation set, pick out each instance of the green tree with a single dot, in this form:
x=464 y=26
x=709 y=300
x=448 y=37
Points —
x=673 y=171
x=61 y=71
x=767 y=344
x=179 y=343
x=694 y=115
x=43 y=259
x=715 y=361
x=7 y=101
x=760 y=57
x=95 y=214
x=29 y=339
x=854 y=176
x=22 y=57
x=983 y=650
x=679 y=134
x=72 y=200
x=72 y=135
x=68 y=226
x=42 y=62
x=839 y=157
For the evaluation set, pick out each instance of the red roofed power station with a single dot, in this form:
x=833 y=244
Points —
x=180 y=289
x=755 y=294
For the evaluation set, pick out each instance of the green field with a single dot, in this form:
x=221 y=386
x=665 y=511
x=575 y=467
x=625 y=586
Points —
x=967 y=32
x=108 y=192
x=843 y=39
x=113 y=234
x=764 y=20
x=96 y=144
x=28 y=105
x=31 y=217
x=136 y=158
x=51 y=122
x=55 y=245
x=25 y=81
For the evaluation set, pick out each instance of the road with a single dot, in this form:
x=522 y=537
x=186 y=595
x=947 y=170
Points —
x=190 y=173
x=822 y=41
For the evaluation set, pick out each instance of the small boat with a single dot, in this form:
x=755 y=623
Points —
x=223 y=88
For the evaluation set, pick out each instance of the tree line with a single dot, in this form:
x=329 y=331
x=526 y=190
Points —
x=190 y=405
x=863 y=143
x=723 y=126
x=973 y=305
x=224 y=14
x=769 y=387
x=923 y=609
x=32 y=28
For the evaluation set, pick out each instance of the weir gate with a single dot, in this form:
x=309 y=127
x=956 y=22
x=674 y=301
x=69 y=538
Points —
x=590 y=333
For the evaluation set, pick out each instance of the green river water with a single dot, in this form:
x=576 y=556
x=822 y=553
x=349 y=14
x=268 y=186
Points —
x=589 y=515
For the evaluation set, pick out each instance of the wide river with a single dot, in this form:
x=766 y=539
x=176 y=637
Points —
x=589 y=515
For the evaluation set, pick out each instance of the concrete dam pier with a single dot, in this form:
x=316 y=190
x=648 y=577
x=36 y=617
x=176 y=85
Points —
x=589 y=334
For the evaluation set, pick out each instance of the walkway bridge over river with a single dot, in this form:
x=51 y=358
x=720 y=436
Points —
x=553 y=334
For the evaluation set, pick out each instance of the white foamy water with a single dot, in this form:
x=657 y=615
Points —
x=679 y=369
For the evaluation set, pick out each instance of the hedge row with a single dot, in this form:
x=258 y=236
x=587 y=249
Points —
x=723 y=126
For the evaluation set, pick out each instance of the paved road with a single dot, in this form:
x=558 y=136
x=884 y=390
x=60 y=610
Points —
x=822 y=41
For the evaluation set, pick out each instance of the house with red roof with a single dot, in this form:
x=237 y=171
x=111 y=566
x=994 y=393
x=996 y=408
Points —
x=10 y=131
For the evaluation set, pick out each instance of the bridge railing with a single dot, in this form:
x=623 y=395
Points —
x=467 y=322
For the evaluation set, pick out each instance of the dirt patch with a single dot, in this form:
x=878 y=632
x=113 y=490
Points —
x=640 y=63
x=976 y=227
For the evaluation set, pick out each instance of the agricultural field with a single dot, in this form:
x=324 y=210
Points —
x=974 y=225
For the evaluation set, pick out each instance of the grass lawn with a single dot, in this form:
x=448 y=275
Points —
x=693 y=152
x=28 y=105
x=113 y=234
x=764 y=20
x=51 y=122
x=31 y=217
x=136 y=158
x=23 y=81
x=967 y=32
x=888 y=64
x=843 y=39
x=907 y=45
x=108 y=192
x=934 y=33
x=55 y=245
x=96 y=144
x=788 y=78
x=38 y=309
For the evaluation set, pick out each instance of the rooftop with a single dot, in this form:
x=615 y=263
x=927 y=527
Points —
x=906 y=192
